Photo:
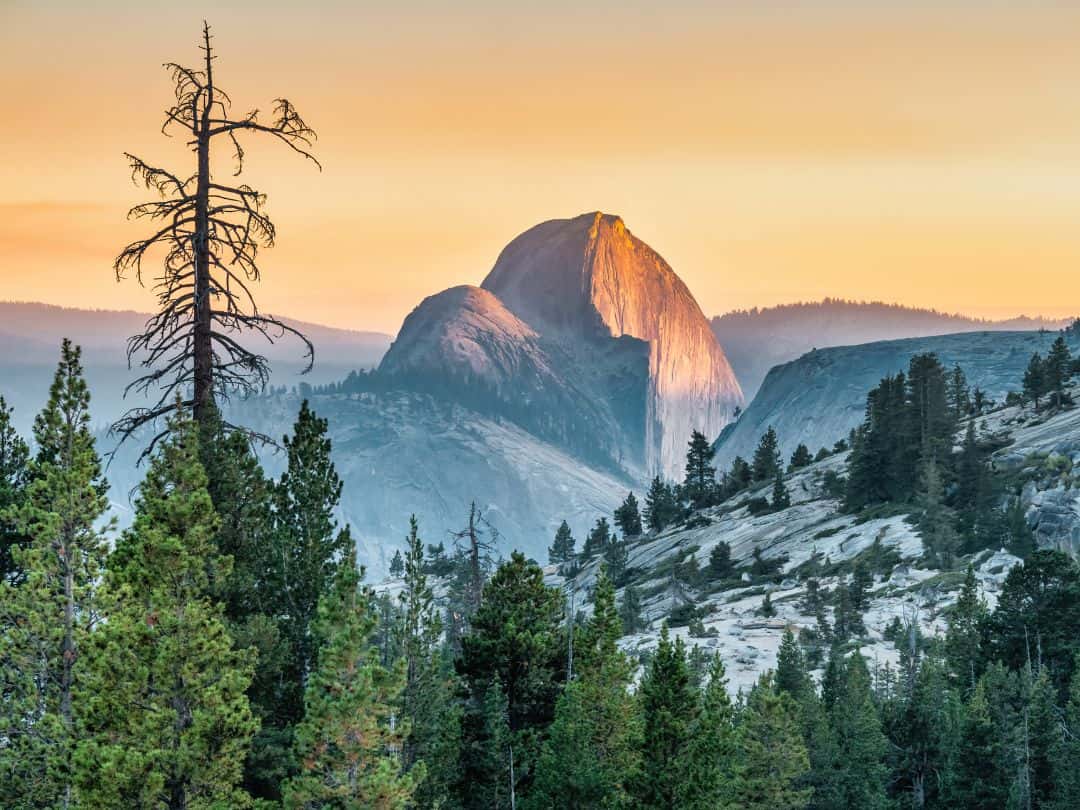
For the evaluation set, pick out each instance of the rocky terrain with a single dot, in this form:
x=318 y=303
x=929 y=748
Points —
x=818 y=398
x=582 y=282
x=1043 y=449
x=755 y=340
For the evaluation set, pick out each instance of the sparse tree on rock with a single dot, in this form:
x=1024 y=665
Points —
x=628 y=518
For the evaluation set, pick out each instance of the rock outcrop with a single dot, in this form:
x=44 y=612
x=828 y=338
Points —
x=818 y=398
x=586 y=280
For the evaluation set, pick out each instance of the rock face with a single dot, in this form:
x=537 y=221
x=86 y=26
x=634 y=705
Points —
x=581 y=282
x=463 y=345
x=820 y=397
x=401 y=453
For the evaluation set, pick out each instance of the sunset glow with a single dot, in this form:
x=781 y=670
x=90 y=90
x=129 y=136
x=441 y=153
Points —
x=929 y=156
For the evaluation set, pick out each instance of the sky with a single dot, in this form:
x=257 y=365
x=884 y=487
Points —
x=921 y=153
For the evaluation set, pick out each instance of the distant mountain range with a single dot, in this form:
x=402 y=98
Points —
x=30 y=335
x=819 y=397
x=755 y=340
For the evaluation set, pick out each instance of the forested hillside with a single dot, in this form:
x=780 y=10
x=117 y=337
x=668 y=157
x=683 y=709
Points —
x=893 y=612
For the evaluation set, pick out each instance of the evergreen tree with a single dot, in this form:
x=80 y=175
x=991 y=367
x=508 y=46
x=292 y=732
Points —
x=1019 y=538
x=14 y=475
x=773 y=759
x=862 y=580
x=699 y=484
x=1057 y=369
x=861 y=743
x=936 y=520
x=346 y=744
x=241 y=495
x=515 y=642
x=628 y=518
x=661 y=509
x=308 y=547
x=963 y=638
x=986 y=756
x=958 y=393
x=1035 y=379
x=780 y=497
x=397 y=564
x=48 y=614
x=427 y=700
x=598 y=538
x=1066 y=751
x=616 y=556
x=800 y=458
x=630 y=611
x=709 y=763
x=766 y=464
x=739 y=477
x=590 y=755
x=668 y=704
x=720 y=563
x=562 y=549
x=924 y=736
x=166 y=721
x=1037 y=617
x=767 y=609
x=792 y=675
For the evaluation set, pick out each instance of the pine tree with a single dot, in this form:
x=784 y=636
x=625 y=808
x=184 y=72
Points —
x=739 y=477
x=630 y=611
x=767 y=464
x=780 y=497
x=720 y=563
x=590 y=755
x=397 y=564
x=699 y=485
x=709 y=764
x=792 y=675
x=616 y=556
x=800 y=458
x=862 y=580
x=427 y=700
x=346 y=745
x=48 y=615
x=307 y=547
x=598 y=538
x=516 y=642
x=14 y=476
x=772 y=761
x=562 y=550
x=936 y=520
x=1035 y=379
x=985 y=758
x=661 y=509
x=964 y=636
x=767 y=609
x=959 y=394
x=1057 y=370
x=628 y=518
x=861 y=743
x=669 y=705
x=167 y=721
x=1066 y=751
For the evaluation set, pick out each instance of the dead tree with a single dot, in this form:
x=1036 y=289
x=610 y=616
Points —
x=210 y=233
x=479 y=539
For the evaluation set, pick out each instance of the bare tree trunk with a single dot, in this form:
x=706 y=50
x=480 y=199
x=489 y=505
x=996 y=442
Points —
x=202 y=349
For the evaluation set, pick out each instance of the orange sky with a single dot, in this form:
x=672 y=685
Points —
x=928 y=155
